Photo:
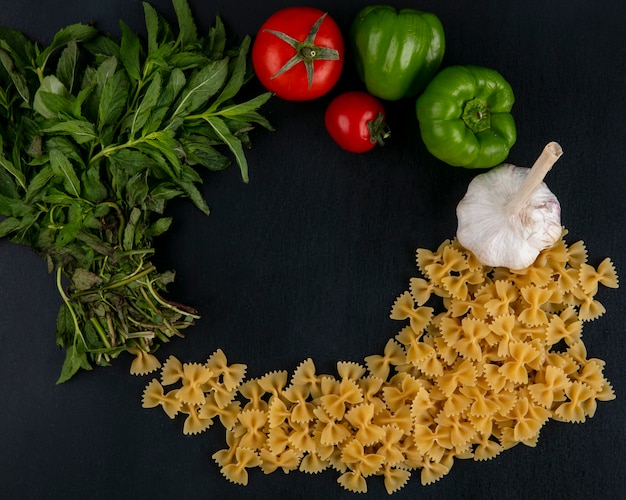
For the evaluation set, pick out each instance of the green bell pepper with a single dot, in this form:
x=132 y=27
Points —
x=464 y=117
x=396 y=52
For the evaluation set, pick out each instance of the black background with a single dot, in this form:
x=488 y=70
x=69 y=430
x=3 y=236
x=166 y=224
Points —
x=306 y=260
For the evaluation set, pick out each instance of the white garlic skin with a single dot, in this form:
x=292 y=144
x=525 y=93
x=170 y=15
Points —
x=498 y=236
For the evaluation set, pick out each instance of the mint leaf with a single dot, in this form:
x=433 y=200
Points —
x=62 y=168
x=199 y=150
x=9 y=167
x=67 y=65
x=188 y=34
x=130 y=52
x=19 y=46
x=194 y=195
x=216 y=42
x=114 y=99
x=152 y=26
x=8 y=188
x=80 y=130
x=18 y=78
x=146 y=106
x=159 y=227
x=171 y=91
x=129 y=230
x=9 y=225
x=237 y=76
x=242 y=109
x=94 y=189
x=202 y=85
x=68 y=233
x=49 y=85
x=76 y=32
x=38 y=183
x=74 y=361
x=234 y=144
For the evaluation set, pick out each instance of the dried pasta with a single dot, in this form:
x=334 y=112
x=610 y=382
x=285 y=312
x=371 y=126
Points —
x=487 y=358
x=144 y=362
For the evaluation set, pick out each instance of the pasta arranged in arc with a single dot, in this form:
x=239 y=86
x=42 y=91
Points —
x=483 y=367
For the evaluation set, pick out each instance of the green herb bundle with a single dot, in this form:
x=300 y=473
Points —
x=96 y=136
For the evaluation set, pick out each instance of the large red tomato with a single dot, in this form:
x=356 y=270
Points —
x=298 y=53
x=356 y=121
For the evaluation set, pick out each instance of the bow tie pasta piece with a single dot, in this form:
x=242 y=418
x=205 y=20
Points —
x=461 y=430
x=433 y=470
x=194 y=423
x=505 y=328
x=456 y=404
x=305 y=374
x=273 y=383
x=236 y=472
x=302 y=409
x=380 y=366
x=143 y=363
x=481 y=400
x=253 y=424
x=230 y=375
x=194 y=377
x=390 y=447
x=425 y=257
x=421 y=290
x=549 y=386
x=469 y=344
x=529 y=418
x=515 y=370
x=395 y=478
x=563 y=327
x=590 y=278
x=404 y=308
x=355 y=455
x=505 y=295
x=278 y=440
x=312 y=463
x=333 y=431
x=253 y=392
x=402 y=391
x=172 y=371
x=534 y=297
x=487 y=449
x=346 y=394
x=228 y=414
x=580 y=398
x=350 y=370
x=577 y=254
x=353 y=481
x=301 y=436
x=153 y=395
x=287 y=461
x=360 y=417
x=463 y=373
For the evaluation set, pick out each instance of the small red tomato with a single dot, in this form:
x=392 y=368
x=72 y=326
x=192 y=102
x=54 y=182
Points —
x=356 y=121
x=298 y=53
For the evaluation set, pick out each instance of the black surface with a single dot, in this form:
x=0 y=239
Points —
x=306 y=260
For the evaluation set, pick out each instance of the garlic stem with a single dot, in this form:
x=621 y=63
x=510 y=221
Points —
x=548 y=157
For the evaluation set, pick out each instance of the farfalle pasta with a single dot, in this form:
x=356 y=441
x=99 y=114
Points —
x=144 y=362
x=486 y=357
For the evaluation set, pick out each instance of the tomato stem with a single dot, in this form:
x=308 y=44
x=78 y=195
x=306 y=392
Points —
x=379 y=130
x=306 y=51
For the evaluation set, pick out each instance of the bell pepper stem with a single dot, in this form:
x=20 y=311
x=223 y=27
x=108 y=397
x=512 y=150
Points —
x=548 y=157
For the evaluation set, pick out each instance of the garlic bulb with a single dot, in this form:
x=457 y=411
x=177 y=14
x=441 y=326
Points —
x=509 y=215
